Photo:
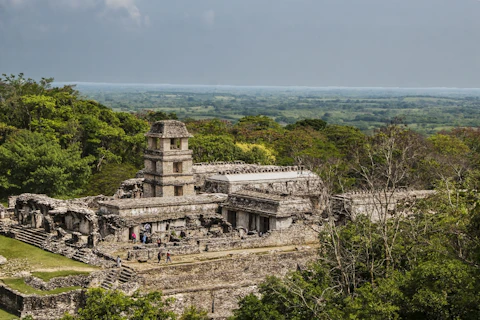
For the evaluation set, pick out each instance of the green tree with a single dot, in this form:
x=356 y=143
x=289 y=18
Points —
x=192 y=313
x=305 y=146
x=30 y=162
x=252 y=308
x=115 y=305
x=108 y=179
x=316 y=124
x=208 y=148
x=257 y=129
x=209 y=127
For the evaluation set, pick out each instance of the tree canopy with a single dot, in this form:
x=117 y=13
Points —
x=52 y=140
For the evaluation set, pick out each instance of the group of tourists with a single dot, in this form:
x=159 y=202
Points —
x=147 y=229
x=160 y=255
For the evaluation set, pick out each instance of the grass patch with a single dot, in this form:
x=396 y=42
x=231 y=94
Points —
x=20 y=285
x=47 y=276
x=37 y=258
x=4 y=315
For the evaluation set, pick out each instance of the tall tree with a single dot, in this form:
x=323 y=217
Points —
x=30 y=162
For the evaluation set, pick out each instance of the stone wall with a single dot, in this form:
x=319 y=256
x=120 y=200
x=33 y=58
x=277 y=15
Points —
x=201 y=171
x=53 y=306
x=144 y=254
x=218 y=302
x=281 y=180
x=130 y=189
x=10 y=300
x=297 y=234
x=376 y=204
x=59 y=282
x=41 y=307
x=220 y=283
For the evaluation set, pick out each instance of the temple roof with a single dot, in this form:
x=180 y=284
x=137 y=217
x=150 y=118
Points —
x=164 y=201
x=168 y=129
x=279 y=175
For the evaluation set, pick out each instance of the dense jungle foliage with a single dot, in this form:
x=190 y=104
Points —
x=53 y=142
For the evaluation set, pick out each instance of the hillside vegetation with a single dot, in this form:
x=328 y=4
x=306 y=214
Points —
x=52 y=141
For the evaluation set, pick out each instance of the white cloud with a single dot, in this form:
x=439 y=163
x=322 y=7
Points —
x=125 y=10
x=127 y=6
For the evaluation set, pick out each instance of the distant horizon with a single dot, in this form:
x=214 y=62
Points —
x=257 y=86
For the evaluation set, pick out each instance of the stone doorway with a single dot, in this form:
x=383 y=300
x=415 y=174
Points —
x=264 y=224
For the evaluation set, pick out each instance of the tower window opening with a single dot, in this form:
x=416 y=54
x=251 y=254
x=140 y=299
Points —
x=178 y=191
x=177 y=167
x=174 y=144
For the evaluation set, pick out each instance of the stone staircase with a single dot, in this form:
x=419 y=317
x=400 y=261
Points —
x=48 y=242
x=126 y=274
x=110 y=279
x=122 y=275
x=81 y=255
x=35 y=237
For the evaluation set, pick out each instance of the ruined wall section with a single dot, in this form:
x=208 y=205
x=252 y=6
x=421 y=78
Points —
x=202 y=170
x=42 y=212
x=164 y=214
x=220 y=283
x=291 y=180
x=300 y=233
x=375 y=204
x=41 y=307
x=130 y=189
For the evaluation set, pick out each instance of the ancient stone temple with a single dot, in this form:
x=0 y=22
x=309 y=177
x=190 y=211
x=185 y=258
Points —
x=168 y=161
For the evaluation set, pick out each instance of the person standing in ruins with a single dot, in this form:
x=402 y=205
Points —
x=168 y=257
x=134 y=237
x=160 y=253
x=119 y=262
x=159 y=242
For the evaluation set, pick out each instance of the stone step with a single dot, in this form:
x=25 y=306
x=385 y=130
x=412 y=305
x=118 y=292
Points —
x=126 y=274
x=23 y=231
x=31 y=230
x=129 y=272
x=30 y=237
x=111 y=278
x=39 y=242
x=106 y=286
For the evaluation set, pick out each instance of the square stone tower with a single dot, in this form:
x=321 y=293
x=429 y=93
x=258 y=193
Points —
x=168 y=162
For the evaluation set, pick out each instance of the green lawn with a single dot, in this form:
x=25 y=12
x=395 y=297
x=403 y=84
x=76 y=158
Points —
x=4 y=315
x=37 y=258
x=20 y=285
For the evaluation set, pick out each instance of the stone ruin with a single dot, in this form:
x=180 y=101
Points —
x=376 y=204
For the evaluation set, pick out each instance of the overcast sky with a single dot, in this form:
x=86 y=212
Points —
x=406 y=43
